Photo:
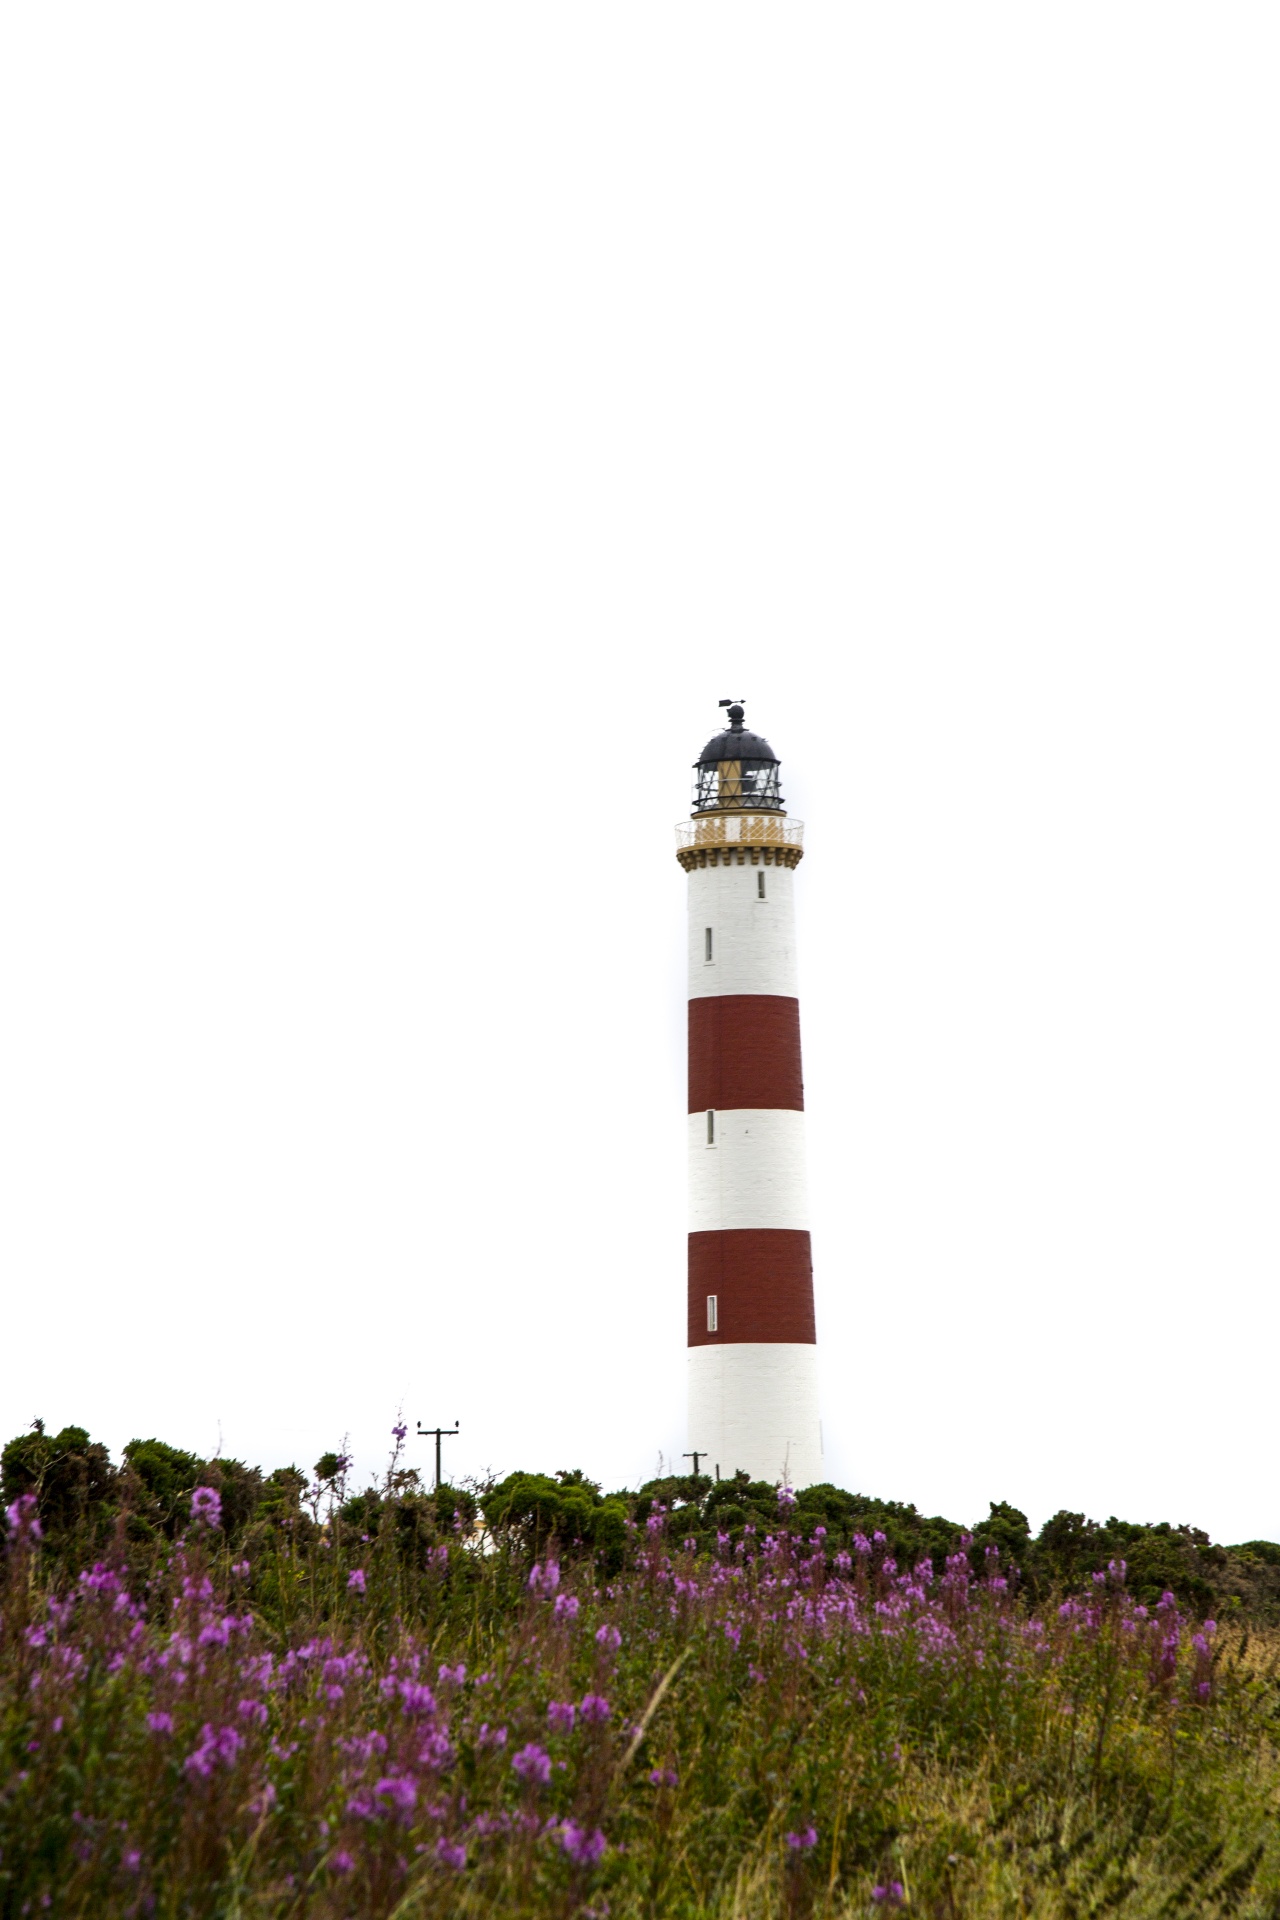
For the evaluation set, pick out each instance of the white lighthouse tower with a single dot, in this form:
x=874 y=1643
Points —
x=753 y=1387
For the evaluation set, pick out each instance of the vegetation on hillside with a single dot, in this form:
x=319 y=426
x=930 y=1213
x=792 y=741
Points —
x=224 y=1693
x=84 y=1502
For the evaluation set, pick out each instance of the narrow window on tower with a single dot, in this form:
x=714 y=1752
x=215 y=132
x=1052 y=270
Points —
x=711 y=1126
x=760 y=884
x=709 y=954
x=713 y=1313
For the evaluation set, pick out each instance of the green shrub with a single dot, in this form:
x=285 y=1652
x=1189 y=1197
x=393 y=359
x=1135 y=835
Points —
x=72 y=1480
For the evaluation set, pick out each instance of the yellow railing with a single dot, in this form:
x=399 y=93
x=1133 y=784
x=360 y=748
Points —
x=740 y=830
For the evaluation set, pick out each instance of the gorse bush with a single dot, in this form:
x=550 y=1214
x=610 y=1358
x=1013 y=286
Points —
x=709 y=1700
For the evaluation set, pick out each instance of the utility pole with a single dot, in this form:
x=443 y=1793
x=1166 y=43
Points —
x=439 y=1434
x=695 y=1457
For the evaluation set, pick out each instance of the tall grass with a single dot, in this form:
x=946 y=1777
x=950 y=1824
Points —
x=763 y=1728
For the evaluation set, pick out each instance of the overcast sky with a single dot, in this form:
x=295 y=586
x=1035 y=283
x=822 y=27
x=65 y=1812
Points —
x=413 y=420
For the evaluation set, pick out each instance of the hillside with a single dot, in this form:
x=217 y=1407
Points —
x=228 y=1692
x=83 y=1495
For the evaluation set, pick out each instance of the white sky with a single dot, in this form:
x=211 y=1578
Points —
x=412 y=421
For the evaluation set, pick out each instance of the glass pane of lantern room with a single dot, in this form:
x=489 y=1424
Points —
x=760 y=784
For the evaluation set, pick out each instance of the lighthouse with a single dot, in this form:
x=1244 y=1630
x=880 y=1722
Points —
x=753 y=1385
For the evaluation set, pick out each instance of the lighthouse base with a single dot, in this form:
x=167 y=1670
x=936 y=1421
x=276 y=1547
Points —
x=755 y=1406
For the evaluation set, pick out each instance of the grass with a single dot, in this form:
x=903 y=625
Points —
x=347 y=1724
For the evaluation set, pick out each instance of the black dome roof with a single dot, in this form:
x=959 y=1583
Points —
x=735 y=743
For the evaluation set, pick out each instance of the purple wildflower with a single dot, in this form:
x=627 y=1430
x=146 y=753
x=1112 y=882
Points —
x=890 y=1895
x=567 y=1605
x=400 y=1791
x=532 y=1764
x=580 y=1845
x=608 y=1637
x=206 y=1506
x=399 y=1430
x=416 y=1698
x=803 y=1841
x=342 y=1862
x=450 y=1854
x=253 y=1710
x=160 y=1722
x=217 y=1746
x=436 y=1751
x=561 y=1715
x=22 y=1516
x=595 y=1708
x=355 y=1580
x=664 y=1777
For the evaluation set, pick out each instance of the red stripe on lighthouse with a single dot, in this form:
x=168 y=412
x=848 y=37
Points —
x=762 y=1279
x=744 y=1051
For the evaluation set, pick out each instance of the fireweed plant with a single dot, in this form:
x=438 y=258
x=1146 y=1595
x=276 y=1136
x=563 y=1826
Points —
x=747 y=1724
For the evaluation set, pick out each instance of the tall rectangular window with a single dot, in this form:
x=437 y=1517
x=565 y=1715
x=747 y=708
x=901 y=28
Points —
x=713 y=1313
x=760 y=884
x=708 y=954
x=711 y=1126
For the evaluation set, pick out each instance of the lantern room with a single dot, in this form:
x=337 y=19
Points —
x=737 y=771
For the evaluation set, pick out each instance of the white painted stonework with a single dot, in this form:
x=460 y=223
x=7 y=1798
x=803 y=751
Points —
x=756 y=1406
x=753 y=940
x=754 y=1174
